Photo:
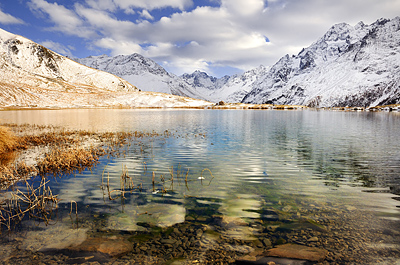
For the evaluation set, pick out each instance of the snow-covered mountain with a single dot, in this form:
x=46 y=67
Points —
x=32 y=75
x=203 y=82
x=230 y=89
x=348 y=66
x=146 y=74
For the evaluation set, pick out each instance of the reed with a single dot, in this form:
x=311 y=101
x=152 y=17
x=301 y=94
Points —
x=201 y=177
x=158 y=183
x=76 y=214
x=186 y=179
x=36 y=203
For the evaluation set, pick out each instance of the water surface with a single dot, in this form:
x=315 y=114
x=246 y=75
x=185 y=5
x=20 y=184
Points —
x=290 y=175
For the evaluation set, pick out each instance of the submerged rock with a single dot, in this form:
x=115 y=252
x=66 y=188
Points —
x=294 y=251
x=111 y=247
x=53 y=237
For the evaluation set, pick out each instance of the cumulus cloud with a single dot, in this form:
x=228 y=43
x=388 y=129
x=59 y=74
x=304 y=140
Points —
x=235 y=33
x=153 y=4
x=243 y=8
x=9 y=19
x=64 y=20
x=119 y=47
x=112 y=5
x=102 y=4
x=146 y=15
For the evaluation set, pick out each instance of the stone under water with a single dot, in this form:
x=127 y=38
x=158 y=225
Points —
x=294 y=251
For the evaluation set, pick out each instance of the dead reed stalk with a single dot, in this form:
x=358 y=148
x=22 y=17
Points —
x=201 y=177
x=38 y=203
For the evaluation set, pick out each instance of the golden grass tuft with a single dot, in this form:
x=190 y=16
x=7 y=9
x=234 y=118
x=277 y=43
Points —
x=67 y=160
x=8 y=141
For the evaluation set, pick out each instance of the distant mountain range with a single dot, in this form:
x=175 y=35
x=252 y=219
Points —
x=348 y=66
x=33 y=76
x=146 y=74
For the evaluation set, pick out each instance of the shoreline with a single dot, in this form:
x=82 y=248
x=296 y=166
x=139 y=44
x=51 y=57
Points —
x=220 y=106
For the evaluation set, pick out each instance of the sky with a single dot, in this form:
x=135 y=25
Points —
x=215 y=36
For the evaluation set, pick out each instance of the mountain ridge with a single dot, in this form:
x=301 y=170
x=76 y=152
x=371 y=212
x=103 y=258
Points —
x=348 y=66
x=146 y=74
x=34 y=76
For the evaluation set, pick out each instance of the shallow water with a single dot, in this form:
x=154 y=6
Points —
x=271 y=174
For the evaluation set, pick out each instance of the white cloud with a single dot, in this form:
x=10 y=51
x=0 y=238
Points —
x=243 y=8
x=65 y=20
x=102 y=4
x=188 y=64
x=146 y=15
x=153 y=4
x=292 y=24
x=58 y=47
x=119 y=47
x=9 y=19
x=111 y=5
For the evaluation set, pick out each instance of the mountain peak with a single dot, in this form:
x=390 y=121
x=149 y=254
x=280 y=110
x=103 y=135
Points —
x=200 y=79
x=347 y=66
x=337 y=32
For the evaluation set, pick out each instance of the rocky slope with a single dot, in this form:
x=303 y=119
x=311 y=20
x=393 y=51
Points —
x=32 y=75
x=348 y=66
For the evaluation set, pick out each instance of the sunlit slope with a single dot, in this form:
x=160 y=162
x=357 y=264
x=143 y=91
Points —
x=32 y=75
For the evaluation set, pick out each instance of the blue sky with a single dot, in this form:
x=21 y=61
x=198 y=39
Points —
x=216 y=36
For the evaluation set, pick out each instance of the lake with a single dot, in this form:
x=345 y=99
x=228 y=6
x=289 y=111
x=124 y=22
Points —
x=220 y=184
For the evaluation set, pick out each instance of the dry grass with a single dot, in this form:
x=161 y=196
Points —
x=67 y=160
x=8 y=141
x=65 y=152
x=60 y=151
